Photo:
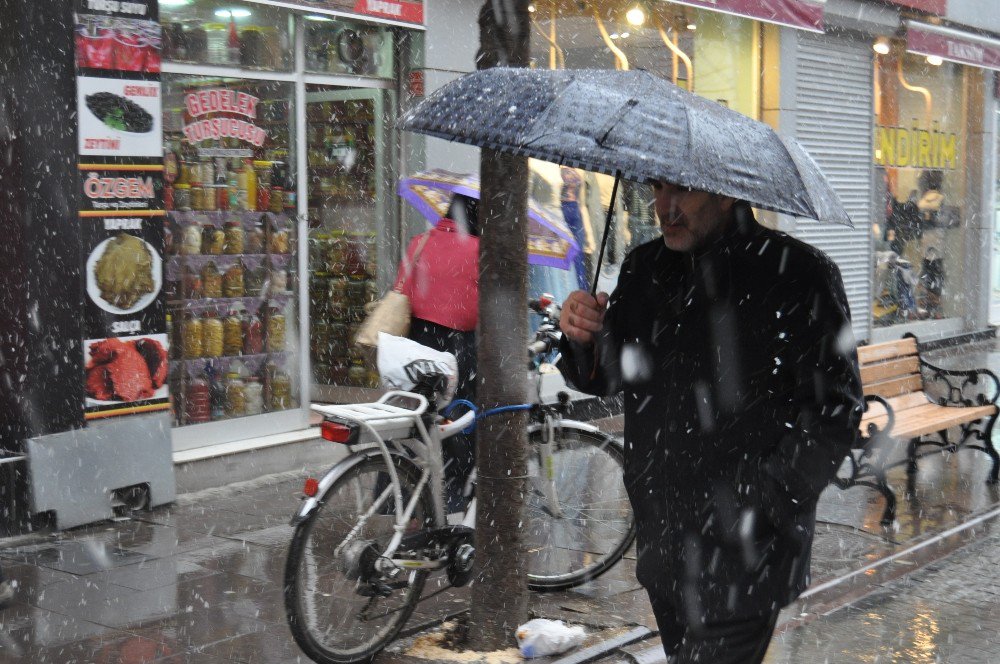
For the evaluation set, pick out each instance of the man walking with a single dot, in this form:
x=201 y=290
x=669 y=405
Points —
x=733 y=348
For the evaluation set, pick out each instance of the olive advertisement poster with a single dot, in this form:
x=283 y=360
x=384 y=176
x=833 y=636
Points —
x=121 y=212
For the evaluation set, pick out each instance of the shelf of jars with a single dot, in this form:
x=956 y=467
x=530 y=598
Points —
x=229 y=282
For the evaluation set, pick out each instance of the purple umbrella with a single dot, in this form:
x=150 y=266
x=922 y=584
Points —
x=550 y=241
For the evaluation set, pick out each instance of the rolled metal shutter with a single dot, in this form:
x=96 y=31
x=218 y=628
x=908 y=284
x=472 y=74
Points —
x=833 y=121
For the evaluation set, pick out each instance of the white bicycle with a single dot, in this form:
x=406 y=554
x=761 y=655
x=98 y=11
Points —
x=371 y=530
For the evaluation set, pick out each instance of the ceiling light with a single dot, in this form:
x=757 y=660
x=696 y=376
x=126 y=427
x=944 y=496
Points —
x=881 y=46
x=635 y=16
x=531 y=9
x=232 y=13
x=692 y=26
x=625 y=35
x=318 y=18
x=175 y=3
x=614 y=35
x=935 y=60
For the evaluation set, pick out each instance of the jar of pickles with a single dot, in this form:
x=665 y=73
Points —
x=277 y=241
x=281 y=391
x=356 y=291
x=197 y=408
x=234 y=237
x=197 y=197
x=191 y=241
x=254 y=243
x=357 y=375
x=211 y=331
x=182 y=197
x=191 y=286
x=236 y=399
x=211 y=280
x=275 y=330
x=191 y=337
x=254 y=393
x=253 y=335
x=232 y=281
x=212 y=239
x=232 y=334
x=279 y=280
x=254 y=281
x=336 y=254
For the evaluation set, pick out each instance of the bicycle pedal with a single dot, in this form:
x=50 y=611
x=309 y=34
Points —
x=377 y=589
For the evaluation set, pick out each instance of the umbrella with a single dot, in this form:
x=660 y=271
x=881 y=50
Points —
x=550 y=241
x=629 y=124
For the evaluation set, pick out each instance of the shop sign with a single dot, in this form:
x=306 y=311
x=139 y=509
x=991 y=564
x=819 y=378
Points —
x=952 y=45
x=802 y=14
x=415 y=83
x=939 y=7
x=121 y=207
x=902 y=147
x=397 y=11
x=222 y=104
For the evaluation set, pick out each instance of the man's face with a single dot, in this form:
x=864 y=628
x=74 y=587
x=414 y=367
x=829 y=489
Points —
x=689 y=219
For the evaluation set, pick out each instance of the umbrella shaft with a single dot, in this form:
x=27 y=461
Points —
x=607 y=228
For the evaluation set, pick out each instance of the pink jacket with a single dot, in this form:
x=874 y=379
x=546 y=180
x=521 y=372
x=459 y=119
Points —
x=443 y=285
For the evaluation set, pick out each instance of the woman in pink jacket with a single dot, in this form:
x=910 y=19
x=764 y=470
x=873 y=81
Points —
x=443 y=287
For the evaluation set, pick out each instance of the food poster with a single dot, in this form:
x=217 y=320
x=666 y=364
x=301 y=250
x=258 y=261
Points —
x=121 y=213
x=119 y=117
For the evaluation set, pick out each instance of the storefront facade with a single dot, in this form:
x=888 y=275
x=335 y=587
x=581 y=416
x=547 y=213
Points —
x=890 y=101
x=281 y=215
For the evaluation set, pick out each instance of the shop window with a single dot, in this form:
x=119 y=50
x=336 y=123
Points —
x=919 y=143
x=231 y=247
x=228 y=34
x=340 y=46
x=713 y=54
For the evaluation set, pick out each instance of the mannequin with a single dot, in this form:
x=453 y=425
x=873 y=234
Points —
x=546 y=187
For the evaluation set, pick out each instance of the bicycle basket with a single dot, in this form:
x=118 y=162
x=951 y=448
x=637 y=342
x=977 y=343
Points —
x=403 y=364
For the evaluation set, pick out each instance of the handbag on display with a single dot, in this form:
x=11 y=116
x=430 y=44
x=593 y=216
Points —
x=391 y=314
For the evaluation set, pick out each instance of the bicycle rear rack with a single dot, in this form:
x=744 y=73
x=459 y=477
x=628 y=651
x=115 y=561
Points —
x=389 y=420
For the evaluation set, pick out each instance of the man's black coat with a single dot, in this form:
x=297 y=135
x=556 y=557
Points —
x=742 y=398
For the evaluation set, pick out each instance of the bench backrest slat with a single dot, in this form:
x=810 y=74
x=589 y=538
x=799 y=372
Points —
x=874 y=373
x=896 y=386
x=887 y=351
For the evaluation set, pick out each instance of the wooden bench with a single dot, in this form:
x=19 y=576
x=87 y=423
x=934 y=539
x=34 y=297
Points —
x=909 y=399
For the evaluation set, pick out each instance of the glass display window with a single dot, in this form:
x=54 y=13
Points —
x=228 y=34
x=713 y=54
x=921 y=179
x=231 y=247
x=349 y=187
x=342 y=46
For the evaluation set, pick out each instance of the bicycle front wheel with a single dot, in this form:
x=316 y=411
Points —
x=339 y=609
x=579 y=519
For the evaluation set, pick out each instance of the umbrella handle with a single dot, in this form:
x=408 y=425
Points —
x=607 y=227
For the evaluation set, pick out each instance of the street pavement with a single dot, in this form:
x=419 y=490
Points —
x=200 y=580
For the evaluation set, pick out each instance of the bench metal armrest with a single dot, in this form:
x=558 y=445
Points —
x=872 y=427
x=977 y=387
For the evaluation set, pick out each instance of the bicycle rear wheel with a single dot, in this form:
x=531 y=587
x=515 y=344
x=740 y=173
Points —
x=595 y=524
x=333 y=613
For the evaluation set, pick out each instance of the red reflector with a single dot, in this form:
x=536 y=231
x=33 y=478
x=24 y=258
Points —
x=311 y=488
x=335 y=432
x=544 y=301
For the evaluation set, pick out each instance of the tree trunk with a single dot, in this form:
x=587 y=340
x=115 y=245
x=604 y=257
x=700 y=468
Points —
x=499 y=592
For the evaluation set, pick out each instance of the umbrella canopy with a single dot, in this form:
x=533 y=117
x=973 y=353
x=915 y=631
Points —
x=630 y=124
x=550 y=241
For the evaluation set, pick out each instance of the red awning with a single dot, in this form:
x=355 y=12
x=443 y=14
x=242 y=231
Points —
x=954 y=45
x=802 y=14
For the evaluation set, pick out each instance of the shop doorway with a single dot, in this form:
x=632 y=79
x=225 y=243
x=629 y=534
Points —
x=353 y=230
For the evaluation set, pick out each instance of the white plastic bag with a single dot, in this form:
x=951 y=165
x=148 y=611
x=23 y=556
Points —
x=403 y=362
x=541 y=637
